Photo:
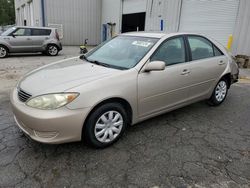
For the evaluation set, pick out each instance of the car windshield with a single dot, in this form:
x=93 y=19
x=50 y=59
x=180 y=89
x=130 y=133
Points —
x=7 y=32
x=122 y=52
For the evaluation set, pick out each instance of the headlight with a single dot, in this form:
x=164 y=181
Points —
x=51 y=101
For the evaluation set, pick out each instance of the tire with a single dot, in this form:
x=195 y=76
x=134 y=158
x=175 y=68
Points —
x=98 y=132
x=3 y=51
x=52 y=50
x=219 y=93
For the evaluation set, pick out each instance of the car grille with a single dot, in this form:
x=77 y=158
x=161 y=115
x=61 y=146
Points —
x=23 y=96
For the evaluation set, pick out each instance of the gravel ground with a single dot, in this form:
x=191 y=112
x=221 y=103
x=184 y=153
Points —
x=15 y=66
x=196 y=146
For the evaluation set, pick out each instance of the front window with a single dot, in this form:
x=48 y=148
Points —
x=122 y=52
x=171 y=52
x=9 y=31
x=22 y=32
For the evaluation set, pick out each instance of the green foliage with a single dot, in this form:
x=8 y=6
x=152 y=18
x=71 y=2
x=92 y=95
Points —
x=7 y=12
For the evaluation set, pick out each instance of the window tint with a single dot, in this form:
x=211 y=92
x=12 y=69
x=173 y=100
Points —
x=201 y=48
x=41 y=32
x=217 y=52
x=171 y=52
x=22 y=32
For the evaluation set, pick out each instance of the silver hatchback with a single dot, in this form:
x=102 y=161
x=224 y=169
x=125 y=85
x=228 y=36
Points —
x=30 y=39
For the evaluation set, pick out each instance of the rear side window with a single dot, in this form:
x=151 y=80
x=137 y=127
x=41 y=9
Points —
x=41 y=32
x=171 y=52
x=201 y=48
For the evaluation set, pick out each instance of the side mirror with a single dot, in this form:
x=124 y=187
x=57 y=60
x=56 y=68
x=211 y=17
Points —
x=13 y=35
x=155 y=66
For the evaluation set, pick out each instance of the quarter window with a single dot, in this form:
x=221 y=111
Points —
x=171 y=52
x=201 y=48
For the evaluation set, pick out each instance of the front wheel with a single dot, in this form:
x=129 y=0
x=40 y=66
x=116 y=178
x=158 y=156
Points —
x=105 y=125
x=219 y=93
x=3 y=52
x=52 y=50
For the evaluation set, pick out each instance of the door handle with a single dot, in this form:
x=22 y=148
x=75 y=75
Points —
x=28 y=38
x=6 y=38
x=185 y=72
x=221 y=62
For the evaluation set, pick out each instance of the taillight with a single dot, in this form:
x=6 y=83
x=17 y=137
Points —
x=57 y=36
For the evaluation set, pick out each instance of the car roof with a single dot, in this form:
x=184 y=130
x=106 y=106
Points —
x=31 y=27
x=156 y=34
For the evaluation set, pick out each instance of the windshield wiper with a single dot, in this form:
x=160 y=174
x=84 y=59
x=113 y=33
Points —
x=94 y=61
x=83 y=57
x=99 y=63
x=107 y=65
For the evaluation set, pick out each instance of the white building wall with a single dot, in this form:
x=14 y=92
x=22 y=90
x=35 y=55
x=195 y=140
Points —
x=166 y=10
x=84 y=18
x=111 y=13
x=81 y=19
x=241 y=42
x=216 y=20
x=132 y=6
x=29 y=10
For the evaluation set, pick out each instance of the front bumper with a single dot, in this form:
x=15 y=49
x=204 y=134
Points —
x=49 y=126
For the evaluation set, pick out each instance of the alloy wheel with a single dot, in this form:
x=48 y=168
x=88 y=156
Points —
x=221 y=91
x=3 y=52
x=53 y=50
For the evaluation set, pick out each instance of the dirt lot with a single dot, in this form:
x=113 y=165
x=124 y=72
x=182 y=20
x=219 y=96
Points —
x=196 y=146
x=13 y=67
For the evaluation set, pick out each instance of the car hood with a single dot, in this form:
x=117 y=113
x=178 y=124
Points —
x=63 y=75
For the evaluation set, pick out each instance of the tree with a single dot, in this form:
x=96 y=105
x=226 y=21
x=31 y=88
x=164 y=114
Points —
x=7 y=12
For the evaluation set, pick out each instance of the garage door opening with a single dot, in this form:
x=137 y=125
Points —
x=133 y=22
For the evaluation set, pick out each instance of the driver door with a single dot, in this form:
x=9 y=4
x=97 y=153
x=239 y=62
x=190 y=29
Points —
x=21 y=40
x=162 y=90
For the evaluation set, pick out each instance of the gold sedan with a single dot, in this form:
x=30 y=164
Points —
x=126 y=80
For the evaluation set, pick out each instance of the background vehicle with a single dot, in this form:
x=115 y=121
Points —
x=30 y=39
x=124 y=81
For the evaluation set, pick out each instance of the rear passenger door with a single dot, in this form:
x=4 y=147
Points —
x=39 y=37
x=206 y=65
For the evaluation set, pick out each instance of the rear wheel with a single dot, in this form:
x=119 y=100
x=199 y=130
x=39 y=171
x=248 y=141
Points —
x=105 y=125
x=52 y=50
x=3 y=52
x=219 y=93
